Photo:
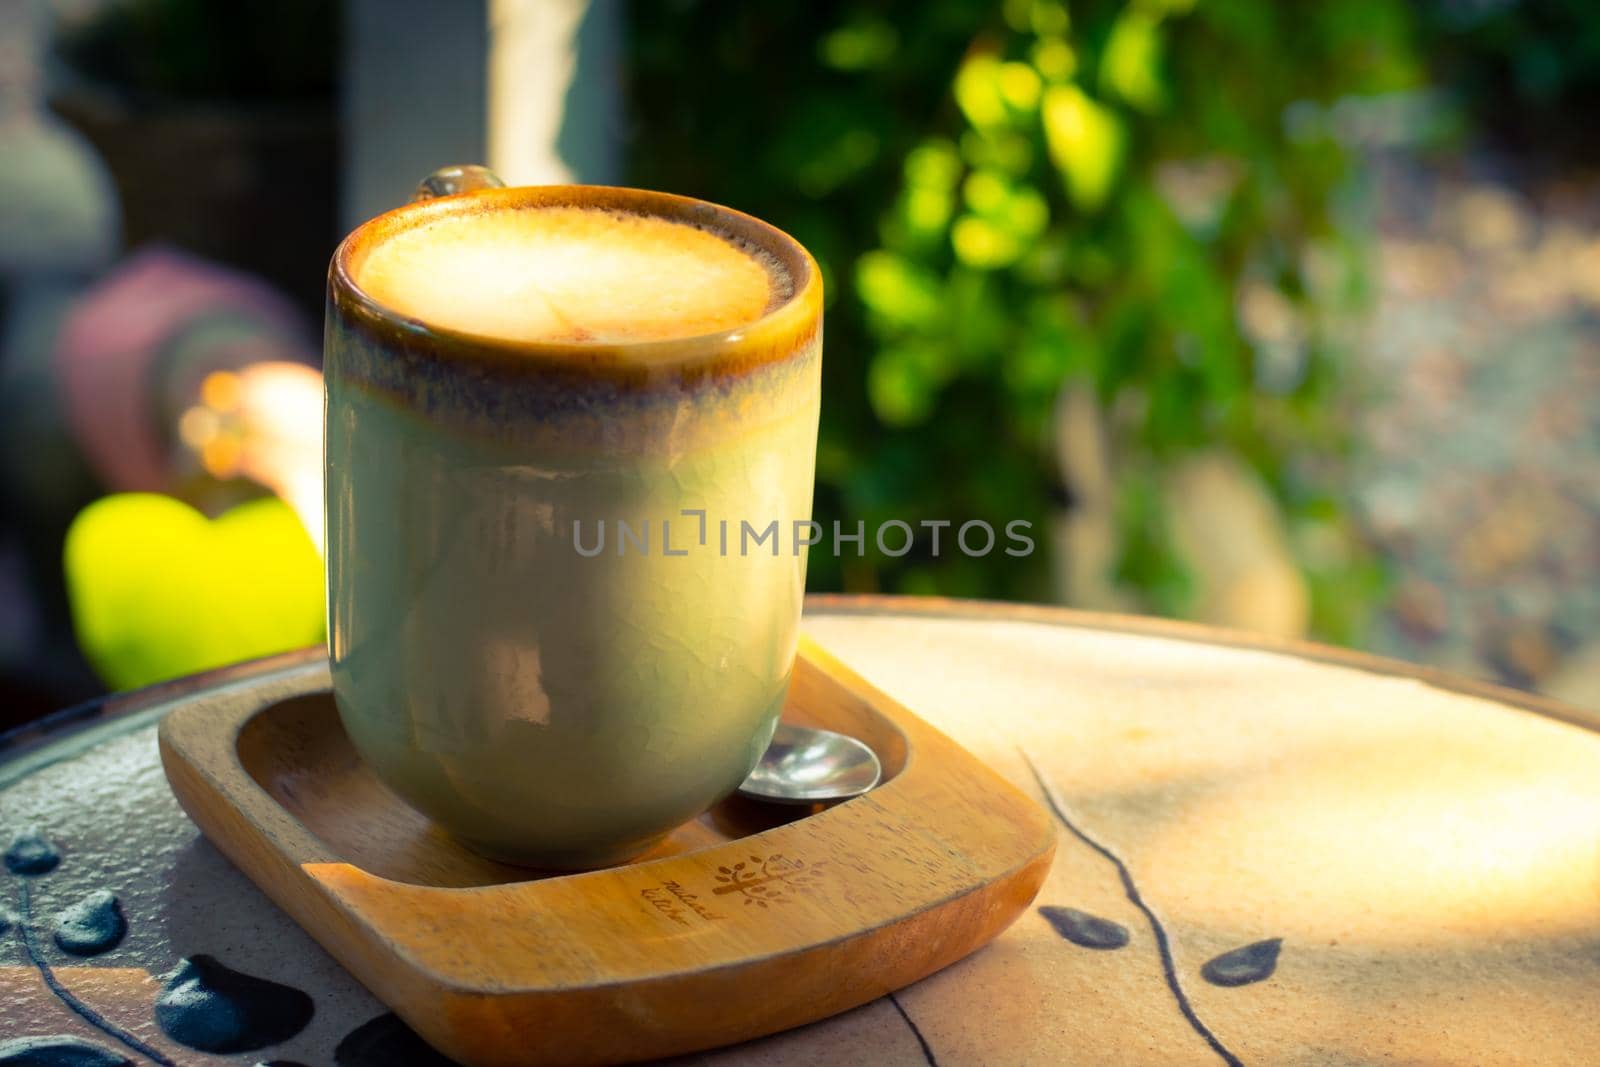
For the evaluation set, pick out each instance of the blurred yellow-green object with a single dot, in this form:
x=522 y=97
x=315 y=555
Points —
x=159 y=591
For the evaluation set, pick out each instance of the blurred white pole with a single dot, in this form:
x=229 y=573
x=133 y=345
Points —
x=554 y=97
x=530 y=87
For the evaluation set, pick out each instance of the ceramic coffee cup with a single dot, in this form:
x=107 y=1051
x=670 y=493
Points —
x=565 y=577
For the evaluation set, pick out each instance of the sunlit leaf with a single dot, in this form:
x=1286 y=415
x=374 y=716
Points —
x=895 y=290
x=1054 y=59
x=982 y=244
x=1026 y=212
x=1008 y=218
x=926 y=212
x=1049 y=17
x=934 y=163
x=977 y=89
x=986 y=191
x=1085 y=141
x=932 y=170
x=1130 y=66
x=1019 y=86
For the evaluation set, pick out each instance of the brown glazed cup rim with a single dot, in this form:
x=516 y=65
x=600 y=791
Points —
x=779 y=333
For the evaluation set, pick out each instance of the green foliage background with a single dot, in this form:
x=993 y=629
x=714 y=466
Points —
x=1146 y=197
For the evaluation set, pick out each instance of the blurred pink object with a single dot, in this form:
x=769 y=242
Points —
x=124 y=370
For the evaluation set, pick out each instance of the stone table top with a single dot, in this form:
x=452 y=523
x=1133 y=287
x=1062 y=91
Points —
x=1269 y=854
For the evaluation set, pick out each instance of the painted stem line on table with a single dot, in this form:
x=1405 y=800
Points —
x=1163 y=946
x=65 y=995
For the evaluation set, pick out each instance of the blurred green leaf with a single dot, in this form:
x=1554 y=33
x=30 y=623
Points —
x=1086 y=143
x=1054 y=59
x=933 y=164
x=1004 y=150
x=1130 y=66
x=977 y=91
x=896 y=291
x=926 y=212
x=982 y=244
x=861 y=44
x=1019 y=87
x=1049 y=17
x=986 y=191
x=900 y=393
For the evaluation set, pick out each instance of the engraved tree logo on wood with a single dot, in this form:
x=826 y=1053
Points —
x=764 y=881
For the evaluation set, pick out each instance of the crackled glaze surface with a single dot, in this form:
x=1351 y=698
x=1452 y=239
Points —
x=1265 y=859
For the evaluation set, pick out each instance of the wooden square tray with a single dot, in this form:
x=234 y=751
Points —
x=749 y=920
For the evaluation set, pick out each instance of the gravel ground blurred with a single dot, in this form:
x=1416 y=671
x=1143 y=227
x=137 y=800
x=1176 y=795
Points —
x=1480 y=476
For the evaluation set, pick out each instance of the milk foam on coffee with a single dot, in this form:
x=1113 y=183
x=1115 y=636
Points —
x=572 y=275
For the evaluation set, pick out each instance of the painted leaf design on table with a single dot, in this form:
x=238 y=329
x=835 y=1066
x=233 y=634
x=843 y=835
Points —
x=1242 y=966
x=1085 y=930
x=213 y=1008
x=93 y=925
x=30 y=853
x=384 y=1042
x=58 y=1050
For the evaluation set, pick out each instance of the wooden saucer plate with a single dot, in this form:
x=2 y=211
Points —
x=746 y=921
